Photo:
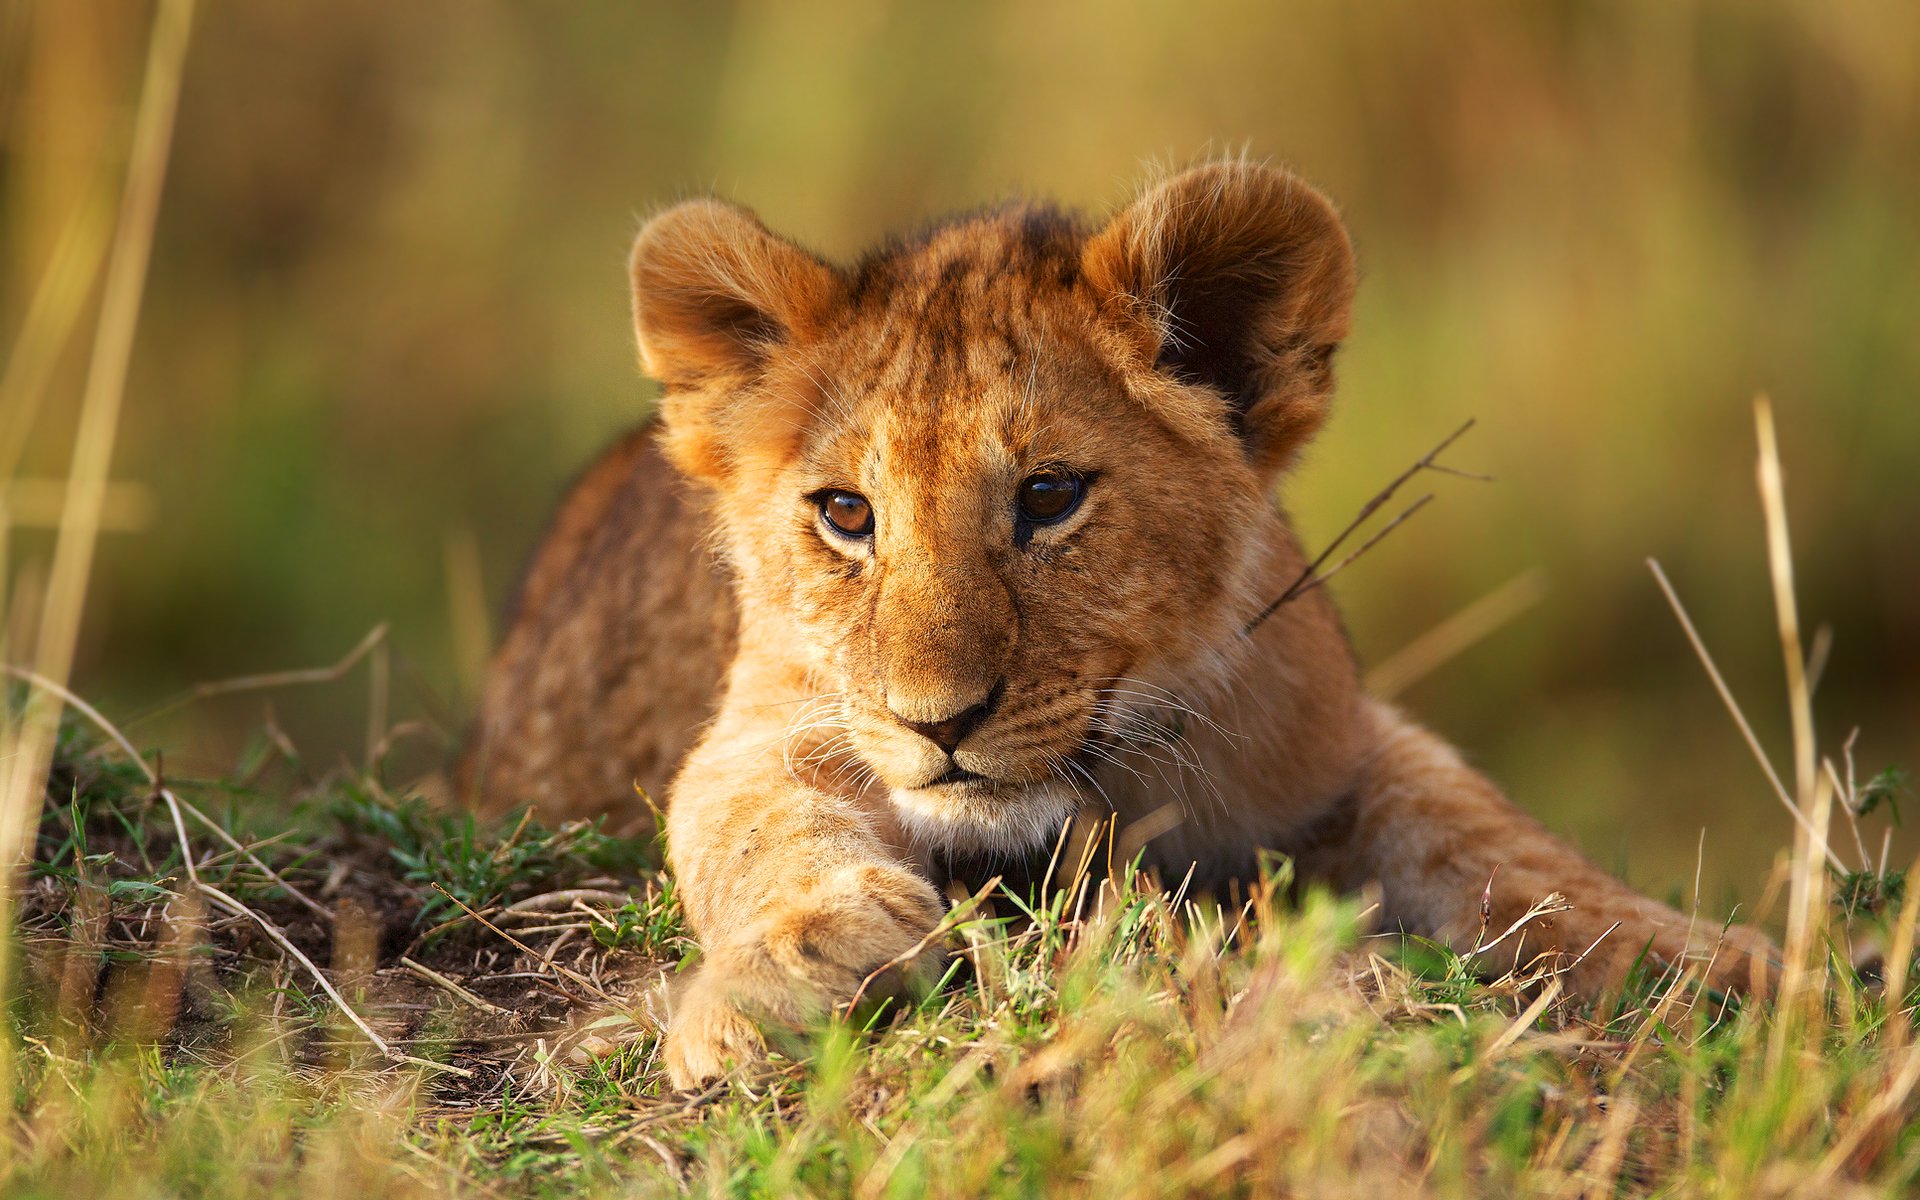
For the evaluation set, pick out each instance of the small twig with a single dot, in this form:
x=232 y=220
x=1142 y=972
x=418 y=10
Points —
x=550 y=901
x=1584 y=954
x=307 y=902
x=1303 y=588
x=453 y=989
x=273 y=679
x=179 y=827
x=1309 y=578
x=280 y=939
x=521 y=946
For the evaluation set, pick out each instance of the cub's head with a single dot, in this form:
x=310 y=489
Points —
x=1001 y=486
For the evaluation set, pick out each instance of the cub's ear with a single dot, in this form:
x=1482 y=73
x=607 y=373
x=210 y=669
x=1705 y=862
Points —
x=1238 y=277
x=714 y=293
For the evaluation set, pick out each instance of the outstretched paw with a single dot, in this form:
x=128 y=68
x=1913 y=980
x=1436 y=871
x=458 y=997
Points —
x=708 y=1036
x=864 y=932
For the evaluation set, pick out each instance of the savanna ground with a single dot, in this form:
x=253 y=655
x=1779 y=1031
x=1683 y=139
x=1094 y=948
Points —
x=295 y=982
x=289 y=971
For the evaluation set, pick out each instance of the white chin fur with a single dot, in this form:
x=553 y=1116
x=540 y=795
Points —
x=1013 y=821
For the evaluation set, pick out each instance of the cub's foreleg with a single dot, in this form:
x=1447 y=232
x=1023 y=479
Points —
x=794 y=892
x=1434 y=834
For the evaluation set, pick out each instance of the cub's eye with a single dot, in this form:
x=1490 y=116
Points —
x=848 y=513
x=1048 y=496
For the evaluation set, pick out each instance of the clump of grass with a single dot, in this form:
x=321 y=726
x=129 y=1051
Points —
x=471 y=861
x=1104 y=1037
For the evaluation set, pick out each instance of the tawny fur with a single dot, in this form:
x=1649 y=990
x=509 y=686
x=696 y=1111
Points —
x=1176 y=358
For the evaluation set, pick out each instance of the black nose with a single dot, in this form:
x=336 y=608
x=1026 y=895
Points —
x=951 y=732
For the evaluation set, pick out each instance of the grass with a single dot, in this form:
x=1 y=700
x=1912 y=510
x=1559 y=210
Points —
x=1103 y=1039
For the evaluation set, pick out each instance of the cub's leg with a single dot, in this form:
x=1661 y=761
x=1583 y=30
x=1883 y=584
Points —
x=1434 y=833
x=796 y=893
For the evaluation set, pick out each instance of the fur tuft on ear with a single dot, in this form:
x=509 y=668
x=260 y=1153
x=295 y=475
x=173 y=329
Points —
x=1238 y=277
x=714 y=294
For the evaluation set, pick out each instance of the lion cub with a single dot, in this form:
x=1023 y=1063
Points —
x=974 y=531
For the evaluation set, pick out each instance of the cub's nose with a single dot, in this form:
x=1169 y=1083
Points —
x=949 y=732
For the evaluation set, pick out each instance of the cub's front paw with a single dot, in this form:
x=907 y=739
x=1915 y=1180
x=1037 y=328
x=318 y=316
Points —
x=1737 y=959
x=707 y=1033
x=863 y=931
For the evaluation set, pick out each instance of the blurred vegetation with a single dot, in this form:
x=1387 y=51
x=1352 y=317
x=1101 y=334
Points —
x=387 y=320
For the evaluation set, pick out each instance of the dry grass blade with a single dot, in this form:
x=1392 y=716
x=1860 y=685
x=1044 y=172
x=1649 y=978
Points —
x=124 y=508
x=285 y=943
x=1813 y=794
x=26 y=746
x=1733 y=706
x=1786 y=608
x=51 y=316
x=1457 y=634
x=1513 y=1033
x=1546 y=907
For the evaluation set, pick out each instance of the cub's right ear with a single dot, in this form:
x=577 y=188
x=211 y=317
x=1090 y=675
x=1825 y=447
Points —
x=714 y=295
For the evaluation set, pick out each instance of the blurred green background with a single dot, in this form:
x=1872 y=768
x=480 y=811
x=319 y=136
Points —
x=387 y=319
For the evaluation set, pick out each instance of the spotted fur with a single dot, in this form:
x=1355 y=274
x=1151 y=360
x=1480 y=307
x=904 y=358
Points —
x=811 y=686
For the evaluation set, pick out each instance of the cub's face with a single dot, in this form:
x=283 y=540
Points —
x=1001 y=486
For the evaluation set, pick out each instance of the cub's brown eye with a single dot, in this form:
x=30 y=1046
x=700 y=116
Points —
x=848 y=513
x=1049 y=496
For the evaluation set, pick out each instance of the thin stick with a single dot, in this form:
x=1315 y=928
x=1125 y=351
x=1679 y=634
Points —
x=326 y=985
x=549 y=901
x=1733 y=706
x=272 y=679
x=1343 y=564
x=1552 y=904
x=180 y=831
x=55 y=309
x=521 y=946
x=1304 y=582
x=1853 y=818
x=453 y=989
x=1810 y=790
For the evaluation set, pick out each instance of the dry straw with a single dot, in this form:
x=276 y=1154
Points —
x=26 y=742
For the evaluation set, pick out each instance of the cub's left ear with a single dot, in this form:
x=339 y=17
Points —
x=1238 y=277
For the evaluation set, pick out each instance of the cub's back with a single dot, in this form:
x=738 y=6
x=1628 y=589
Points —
x=614 y=649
